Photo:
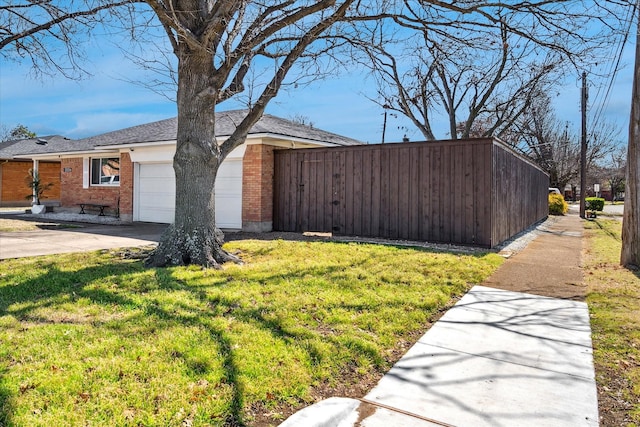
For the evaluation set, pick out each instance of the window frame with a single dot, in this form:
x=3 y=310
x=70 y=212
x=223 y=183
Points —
x=92 y=162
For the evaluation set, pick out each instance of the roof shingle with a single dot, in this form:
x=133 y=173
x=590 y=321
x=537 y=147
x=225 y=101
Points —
x=39 y=145
x=166 y=130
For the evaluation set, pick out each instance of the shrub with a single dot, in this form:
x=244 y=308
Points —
x=557 y=205
x=594 y=203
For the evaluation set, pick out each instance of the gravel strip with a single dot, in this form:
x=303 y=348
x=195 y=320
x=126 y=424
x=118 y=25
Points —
x=73 y=217
x=520 y=241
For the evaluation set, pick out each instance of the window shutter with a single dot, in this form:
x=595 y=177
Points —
x=85 y=172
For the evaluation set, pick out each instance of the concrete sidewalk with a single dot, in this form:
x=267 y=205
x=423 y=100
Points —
x=549 y=265
x=499 y=357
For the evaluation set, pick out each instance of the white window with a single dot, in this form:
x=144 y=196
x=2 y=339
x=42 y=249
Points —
x=105 y=171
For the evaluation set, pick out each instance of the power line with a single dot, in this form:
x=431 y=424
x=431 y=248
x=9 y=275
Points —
x=614 y=73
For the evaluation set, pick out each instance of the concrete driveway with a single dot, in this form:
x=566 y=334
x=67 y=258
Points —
x=88 y=237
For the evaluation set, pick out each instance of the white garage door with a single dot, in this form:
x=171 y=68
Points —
x=156 y=189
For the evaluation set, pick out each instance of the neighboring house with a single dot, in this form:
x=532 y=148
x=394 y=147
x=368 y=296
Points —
x=131 y=170
x=14 y=171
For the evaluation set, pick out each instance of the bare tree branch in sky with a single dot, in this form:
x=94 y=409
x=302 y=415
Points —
x=468 y=61
x=554 y=146
x=49 y=35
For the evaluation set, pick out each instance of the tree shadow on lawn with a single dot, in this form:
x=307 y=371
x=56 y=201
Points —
x=25 y=300
x=56 y=287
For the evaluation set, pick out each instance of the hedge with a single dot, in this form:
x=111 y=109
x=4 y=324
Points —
x=594 y=204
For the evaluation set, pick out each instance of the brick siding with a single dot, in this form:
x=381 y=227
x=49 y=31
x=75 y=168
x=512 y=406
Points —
x=14 y=188
x=74 y=193
x=257 y=188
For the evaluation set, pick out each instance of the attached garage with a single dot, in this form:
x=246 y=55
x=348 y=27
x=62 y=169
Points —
x=154 y=191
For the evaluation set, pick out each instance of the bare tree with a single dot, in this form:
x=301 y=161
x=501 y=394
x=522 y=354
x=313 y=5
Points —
x=218 y=44
x=302 y=120
x=477 y=61
x=611 y=172
x=630 y=254
x=17 y=132
x=494 y=84
x=614 y=173
x=554 y=146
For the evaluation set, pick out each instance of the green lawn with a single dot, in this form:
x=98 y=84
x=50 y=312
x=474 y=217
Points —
x=21 y=225
x=96 y=339
x=614 y=303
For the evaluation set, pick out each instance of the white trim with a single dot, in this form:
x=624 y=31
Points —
x=85 y=172
x=150 y=154
x=36 y=170
x=136 y=192
x=63 y=155
x=293 y=144
x=138 y=144
x=288 y=138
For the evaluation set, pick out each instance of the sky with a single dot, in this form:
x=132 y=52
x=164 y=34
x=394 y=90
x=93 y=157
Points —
x=108 y=101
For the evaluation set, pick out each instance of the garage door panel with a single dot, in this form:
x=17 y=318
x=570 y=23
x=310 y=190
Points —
x=156 y=169
x=157 y=184
x=229 y=194
x=156 y=214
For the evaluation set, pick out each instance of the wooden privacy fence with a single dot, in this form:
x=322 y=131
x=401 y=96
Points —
x=475 y=192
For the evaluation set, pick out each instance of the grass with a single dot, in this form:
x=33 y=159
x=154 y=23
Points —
x=97 y=339
x=614 y=303
x=21 y=225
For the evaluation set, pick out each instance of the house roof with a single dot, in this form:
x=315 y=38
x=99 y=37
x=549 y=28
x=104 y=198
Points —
x=166 y=130
x=42 y=144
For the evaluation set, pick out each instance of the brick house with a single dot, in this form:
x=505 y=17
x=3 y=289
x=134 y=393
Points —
x=14 y=171
x=131 y=171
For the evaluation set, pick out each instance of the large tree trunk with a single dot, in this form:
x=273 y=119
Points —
x=193 y=237
x=630 y=255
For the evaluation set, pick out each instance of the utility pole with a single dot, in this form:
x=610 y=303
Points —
x=384 y=125
x=583 y=146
